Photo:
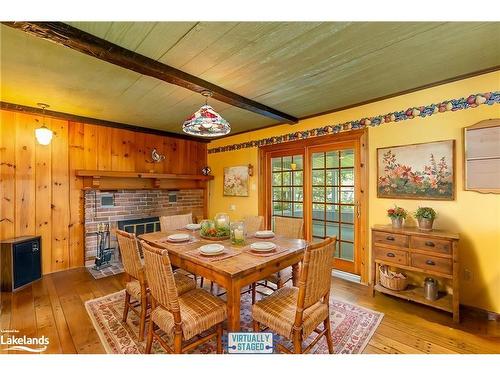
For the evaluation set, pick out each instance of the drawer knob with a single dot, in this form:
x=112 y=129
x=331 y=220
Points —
x=430 y=244
x=391 y=255
x=430 y=262
x=390 y=238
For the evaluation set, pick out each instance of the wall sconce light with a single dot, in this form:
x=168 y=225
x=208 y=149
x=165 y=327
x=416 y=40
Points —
x=250 y=169
x=206 y=171
x=43 y=134
x=156 y=156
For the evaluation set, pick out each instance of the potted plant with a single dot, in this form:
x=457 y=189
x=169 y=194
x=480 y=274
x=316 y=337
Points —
x=425 y=217
x=397 y=215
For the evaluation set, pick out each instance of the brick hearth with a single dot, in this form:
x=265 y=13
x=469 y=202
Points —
x=134 y=204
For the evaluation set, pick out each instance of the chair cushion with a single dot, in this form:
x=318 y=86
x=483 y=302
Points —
x=200 y=311
x=284 y=274
x=183 y=283
x=134 y=289
x=277 y=312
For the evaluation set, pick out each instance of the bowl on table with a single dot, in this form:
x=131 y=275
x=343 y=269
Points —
x=212 y=249
x=263 y=247
x=264 y=234
x=210 y=231
x=178 y=237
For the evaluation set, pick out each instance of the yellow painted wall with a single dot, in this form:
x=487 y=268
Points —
x=475 y=216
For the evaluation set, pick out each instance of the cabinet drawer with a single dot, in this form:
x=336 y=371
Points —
x=390 y=255
x=428 y=262
x=430 y=244
x=390 y=239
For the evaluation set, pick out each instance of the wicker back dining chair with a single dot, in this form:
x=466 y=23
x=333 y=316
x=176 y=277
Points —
x=253 y=223
x=175 y=222
x=182 y=316
x=283 y=227
x=135 y=285
x=289 y=227
x=296 y=312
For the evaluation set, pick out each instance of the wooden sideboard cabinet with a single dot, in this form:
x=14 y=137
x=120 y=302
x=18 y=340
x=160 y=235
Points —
x=433 y=254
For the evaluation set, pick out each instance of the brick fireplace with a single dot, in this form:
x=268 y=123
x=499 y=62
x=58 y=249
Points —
x=120 y=205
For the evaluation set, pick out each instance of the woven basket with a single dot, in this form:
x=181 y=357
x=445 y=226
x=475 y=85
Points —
x=388 y=281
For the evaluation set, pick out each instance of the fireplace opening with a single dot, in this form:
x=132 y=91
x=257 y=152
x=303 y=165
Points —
x=140 y=226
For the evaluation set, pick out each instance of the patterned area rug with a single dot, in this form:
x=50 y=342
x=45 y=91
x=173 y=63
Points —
x=352 y=327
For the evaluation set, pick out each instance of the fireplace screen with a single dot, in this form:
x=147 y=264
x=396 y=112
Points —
x=140 y=226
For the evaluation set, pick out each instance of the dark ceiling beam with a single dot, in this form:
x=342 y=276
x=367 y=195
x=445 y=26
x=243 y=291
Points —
x=94 y=121
x=78 y=40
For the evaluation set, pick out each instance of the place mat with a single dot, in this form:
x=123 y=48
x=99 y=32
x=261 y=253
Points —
x=228 y=253
x=191 y=240
x=278 y=250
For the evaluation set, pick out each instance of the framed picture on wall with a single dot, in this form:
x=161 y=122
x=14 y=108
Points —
x=236 y=181
x=417 y=171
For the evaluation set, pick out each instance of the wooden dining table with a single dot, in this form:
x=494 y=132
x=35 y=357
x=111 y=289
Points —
x=235 y=272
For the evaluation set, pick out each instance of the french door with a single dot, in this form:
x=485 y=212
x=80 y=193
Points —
x=320 y=180
x=334 y=200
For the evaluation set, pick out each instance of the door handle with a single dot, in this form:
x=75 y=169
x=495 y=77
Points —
x=391 y=255
x=390 y=238
x=430 y=262
x=430 y=244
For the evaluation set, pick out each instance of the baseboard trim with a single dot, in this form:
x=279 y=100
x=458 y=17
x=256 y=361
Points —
x=347 y=276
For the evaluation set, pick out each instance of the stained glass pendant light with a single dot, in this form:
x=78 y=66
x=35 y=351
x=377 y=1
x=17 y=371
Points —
x=43 y=134
x=205 y=122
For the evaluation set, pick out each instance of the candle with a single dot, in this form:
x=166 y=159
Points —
x=221 y=222
x=238 y=234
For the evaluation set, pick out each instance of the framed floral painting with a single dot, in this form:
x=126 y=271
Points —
x=417 y=171
x=236 y=181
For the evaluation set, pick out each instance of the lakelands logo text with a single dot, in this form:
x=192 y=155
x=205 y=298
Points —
x=250 y=343
x=25 y=343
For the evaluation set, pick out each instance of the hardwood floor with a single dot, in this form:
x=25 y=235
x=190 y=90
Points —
x=54 y=307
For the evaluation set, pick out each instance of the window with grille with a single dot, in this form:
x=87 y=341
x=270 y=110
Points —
x=287 y=186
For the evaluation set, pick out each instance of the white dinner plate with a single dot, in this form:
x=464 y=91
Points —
x=178 y=237
x=193 y=226
x=212 y=249
x=264 y=234
x=263 y=246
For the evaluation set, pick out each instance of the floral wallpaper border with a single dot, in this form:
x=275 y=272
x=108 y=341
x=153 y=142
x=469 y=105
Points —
x=472 y=101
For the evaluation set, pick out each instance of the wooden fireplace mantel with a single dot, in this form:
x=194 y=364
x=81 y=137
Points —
x=114 y=180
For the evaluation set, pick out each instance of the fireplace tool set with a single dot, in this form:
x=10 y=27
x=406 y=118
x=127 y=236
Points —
x=104 y=251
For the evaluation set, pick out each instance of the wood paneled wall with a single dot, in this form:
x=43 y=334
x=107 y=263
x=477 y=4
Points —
x=39 y=192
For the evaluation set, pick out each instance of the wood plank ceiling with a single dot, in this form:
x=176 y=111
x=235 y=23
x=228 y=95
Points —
x=300 y=68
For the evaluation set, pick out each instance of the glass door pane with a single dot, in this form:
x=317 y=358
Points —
x=333 y=199
x=287 y=190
